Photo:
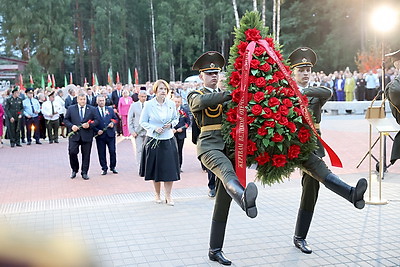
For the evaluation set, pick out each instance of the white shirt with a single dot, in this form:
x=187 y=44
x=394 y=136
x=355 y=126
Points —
x=47 y=110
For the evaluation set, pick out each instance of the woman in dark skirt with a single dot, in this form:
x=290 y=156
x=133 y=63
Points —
x=160 y=161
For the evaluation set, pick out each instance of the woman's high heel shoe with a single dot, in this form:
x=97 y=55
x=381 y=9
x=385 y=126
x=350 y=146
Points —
x=158 y=199
x=169 y=202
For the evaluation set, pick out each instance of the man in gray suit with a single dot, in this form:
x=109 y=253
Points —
x=133 y=124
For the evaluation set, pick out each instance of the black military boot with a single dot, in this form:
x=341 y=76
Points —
x=217 y=236
x=245 y=197
x=353 y=194
x=302 y=225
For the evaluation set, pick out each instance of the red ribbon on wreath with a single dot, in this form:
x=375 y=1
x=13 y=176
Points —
x=241 y=128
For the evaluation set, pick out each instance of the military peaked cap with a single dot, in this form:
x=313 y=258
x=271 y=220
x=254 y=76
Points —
x=29 y=90
x=302 y=57
x=15 y=89
x=395 y=55
x=211 y=61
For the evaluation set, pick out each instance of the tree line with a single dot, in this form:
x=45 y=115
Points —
x=162 y=39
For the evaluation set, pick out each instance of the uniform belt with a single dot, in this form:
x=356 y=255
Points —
x=317 y=126
x=212 y=127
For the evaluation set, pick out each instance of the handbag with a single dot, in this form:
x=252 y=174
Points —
x=377 y=112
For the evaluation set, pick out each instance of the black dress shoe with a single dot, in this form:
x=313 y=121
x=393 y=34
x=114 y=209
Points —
x=85 y=176
x=29 y=143
x=302 y=245
x=114 y=171
x=23 y=141
x=18 y=145
x=104 y=172
x=50 y=142
x=56 y=141
x=218 y=255
x=211 y=193
x=73 y=175
x=12 y=145
x=38 y=142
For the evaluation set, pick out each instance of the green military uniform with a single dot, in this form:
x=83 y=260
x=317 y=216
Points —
x=315 y=168
x=392 y=93
x=13 y=109
x=206 y=106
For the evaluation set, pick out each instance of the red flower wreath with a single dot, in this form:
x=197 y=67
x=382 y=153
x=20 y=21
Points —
x=278 y=140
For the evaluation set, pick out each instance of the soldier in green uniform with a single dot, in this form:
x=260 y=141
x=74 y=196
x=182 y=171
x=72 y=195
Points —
x=206 y=105
x=315 y=170
x=13 y=109
x=392 y=93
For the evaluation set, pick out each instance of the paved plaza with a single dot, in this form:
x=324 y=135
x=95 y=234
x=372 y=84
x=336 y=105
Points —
x=114 y=216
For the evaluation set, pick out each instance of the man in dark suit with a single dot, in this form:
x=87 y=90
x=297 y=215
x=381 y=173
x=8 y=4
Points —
x=115 y=96
x=180 y=129
x=69 y=100
x=81 y=119
x=105 y=135
x=90 y=98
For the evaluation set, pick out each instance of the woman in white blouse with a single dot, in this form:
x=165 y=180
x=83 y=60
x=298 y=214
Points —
x=160 y=155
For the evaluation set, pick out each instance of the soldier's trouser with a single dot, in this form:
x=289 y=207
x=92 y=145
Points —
x=14 y=132
x=309 y=195
x=52 y=129
x=217 y=162
x=220 y=216
x=317 y=168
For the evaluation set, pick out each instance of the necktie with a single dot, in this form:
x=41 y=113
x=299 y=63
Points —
x=52 y=108
x=33 y=110
x=81 y=114
x=102 y=112
x=142 y=105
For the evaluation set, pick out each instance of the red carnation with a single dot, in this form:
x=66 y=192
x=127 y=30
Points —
x=270 y=42
x=268 y=113
x=236 y=95
x=304 y=135
x=293 y=152
x=242 y=47
x=231 y=115
x=261 y=82
x=277 y=138
x=291 y=126
x=254 y=64
x=252 y=79
x=259 y=51
x=273 y=101
x=269 y=124
x=262 y=131
x=235 y=79
x=277 y=116
x=284 y=110
x=252 y=35
x=250 y=120
x=297 y=110
x=279 y=160
x=265 y=67
x=263 y=158
x=256 y=110
x=238 y=63
x=279 y=75
x=113 y=121
x=233 y=133
x=249 y=96
x=287 y=102
x=251 y=147
x=269 y=89
x=270 y=61
x=259 y=96
x=274 y=79
x=283 y=120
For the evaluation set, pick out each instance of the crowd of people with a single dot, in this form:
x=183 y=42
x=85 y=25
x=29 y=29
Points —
x=350 y=86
